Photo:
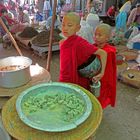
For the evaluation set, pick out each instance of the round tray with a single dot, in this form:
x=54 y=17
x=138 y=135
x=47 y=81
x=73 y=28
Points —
x=53 y=107
x=20 y=131
x=129 y=54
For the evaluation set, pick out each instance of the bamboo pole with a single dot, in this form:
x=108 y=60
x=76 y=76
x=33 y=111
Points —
x=51 y=37
x=11 y=37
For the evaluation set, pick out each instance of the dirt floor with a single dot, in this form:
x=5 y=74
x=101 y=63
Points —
x=119 y=123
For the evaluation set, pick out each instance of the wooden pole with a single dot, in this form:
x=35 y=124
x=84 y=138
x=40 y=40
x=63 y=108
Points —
x=11 y=37
x=51 y=36
x=74 y=5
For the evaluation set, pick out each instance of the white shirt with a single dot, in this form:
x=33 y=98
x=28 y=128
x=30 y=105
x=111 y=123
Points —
x=87 y=27
x=46 y=5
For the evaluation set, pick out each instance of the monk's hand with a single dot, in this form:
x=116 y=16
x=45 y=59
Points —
x=97 y=77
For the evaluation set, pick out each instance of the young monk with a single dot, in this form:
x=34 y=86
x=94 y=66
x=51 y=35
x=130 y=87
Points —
x=74 y=51
x=108 y=81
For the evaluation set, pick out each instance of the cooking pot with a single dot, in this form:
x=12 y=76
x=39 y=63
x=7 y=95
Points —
x=14 y=71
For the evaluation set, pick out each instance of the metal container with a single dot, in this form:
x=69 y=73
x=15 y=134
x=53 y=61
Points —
x=18 y=77
x=95 y=88
x=90 y=68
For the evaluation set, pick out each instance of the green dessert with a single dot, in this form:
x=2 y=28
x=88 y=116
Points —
x=68 y=106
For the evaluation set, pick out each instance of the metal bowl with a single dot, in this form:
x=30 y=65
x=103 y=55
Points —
x=14 y=71
x=90 y=68
x=53 y=107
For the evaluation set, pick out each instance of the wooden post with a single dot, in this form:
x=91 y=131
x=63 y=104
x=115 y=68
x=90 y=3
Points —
x=73 y=5
x=11 y=37
x=51 y=36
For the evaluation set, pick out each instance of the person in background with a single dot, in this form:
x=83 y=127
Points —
x=10 y=19
x=46 y=9
x=5 y=38
x=2 y=6
x=134 y=17
x=17 y=26
x=108 y=81
x=90 y=6
x=134 y=3
x=38 y=16
x=74 y=51
x=88 y=26
x=111 y=11
x=57 y=23
x=4 y=13
x=22 y=16
x=12 y=8
x=121 y=18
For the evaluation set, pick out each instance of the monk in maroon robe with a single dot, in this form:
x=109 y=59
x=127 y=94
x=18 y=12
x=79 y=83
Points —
x=74 y=51
x=108 y=81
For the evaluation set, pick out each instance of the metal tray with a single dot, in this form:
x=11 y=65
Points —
x=53 y=107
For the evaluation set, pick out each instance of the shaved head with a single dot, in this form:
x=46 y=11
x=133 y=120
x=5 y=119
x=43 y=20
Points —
x=105 y=28
x=74 y=17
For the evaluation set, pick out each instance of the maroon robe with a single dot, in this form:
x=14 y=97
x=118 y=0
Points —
x=74 y=51
x=108 y=81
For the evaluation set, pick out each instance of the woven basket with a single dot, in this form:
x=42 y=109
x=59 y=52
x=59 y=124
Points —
x=121 y=48
x=121 y=68
x=20 y=131
x=131 y=77
x=129 y=54
x=42 y=45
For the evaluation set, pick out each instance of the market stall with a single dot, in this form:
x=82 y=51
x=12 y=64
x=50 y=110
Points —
x=21 y=131
x=38 y=42
x=38 y=75
x=86 y=123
